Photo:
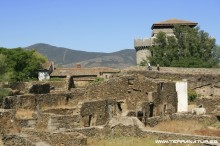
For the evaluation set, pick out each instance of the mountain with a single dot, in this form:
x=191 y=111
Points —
x=69 y=58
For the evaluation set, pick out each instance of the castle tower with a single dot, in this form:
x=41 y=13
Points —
x=142 y=45
x=142 y=49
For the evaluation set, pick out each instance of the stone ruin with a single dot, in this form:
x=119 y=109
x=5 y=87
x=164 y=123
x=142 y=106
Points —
x=123 y=105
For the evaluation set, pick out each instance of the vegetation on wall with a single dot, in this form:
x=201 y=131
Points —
x=97 y=80
x=19 y=64
x=191 y=47
x=4 y=92
x=192 y=95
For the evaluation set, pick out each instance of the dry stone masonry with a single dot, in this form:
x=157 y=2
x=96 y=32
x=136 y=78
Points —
x=120 y=106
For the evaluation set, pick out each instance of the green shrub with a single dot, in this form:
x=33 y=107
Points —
x=97 y=80
x=4 y=92
x=56 y=79
x=191 y=95
x=143 y=63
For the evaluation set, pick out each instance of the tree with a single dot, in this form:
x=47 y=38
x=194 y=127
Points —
x=2 y=66
x=190 y=47
x=22 y=64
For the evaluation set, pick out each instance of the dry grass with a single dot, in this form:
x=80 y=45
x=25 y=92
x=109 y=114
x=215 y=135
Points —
x=210 y=132
x=128 y=141
x=24 y=114
x=186 y=127
x=8 y=125
x=178 y=126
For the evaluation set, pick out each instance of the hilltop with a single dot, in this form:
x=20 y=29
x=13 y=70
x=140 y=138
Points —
x=68 y=57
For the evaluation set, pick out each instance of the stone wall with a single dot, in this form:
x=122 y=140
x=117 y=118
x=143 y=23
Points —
x=16 y=140
x=153 y=121
x=44 y=138
x=193 y=76
x=24 y=87
x=57 y=84
x=142 y=54
x=88 y=113
x=40 y=88
x=210 y=104
x=8 y=122
x=52 y=122
x=211 y=90
x=133 y=93
x=95 y=113
x=21 y=86
x=130 y=126
x=35 y=101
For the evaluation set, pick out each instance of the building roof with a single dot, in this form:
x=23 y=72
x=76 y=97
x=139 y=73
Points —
x=83 y=71
x=171 y=22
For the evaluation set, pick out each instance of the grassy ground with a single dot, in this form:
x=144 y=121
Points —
x=129 y=141
x=24 y=114
x=188 y=127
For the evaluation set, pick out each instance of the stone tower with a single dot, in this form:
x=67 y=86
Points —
x=142 y=49
x=142 y=45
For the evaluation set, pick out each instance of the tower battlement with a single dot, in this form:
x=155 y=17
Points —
x=138 y=43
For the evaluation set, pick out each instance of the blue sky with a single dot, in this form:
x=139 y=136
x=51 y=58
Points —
x=97 y=25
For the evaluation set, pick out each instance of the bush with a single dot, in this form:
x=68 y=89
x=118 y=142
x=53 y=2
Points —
x=143 y=63
x=192 y=95
x=97 y=80
x=4 y=92
x=56 y=79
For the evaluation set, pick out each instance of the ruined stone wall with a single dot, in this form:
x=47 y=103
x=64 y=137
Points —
x=120 y=89
x=153 y=121
x=16 y=140
x=128 y=128
x=209 y=91
x=8 y=122
x=165 y=99
x=45 y=138
x=57 y=84
x=97 y=112
x=24 y=87
x=40 y=88
x=194 y=78
x=210 y=104
x=53 y=122
x=35 y=101
x=133 y=91
x=76 y=95
x=78 y=83
x=21 y=86
x=60 y=138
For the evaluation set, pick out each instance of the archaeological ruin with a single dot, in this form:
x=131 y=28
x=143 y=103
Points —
x=67 y=106
x=58 y=113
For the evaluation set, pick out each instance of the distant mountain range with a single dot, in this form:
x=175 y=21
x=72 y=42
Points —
x=65 y=57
